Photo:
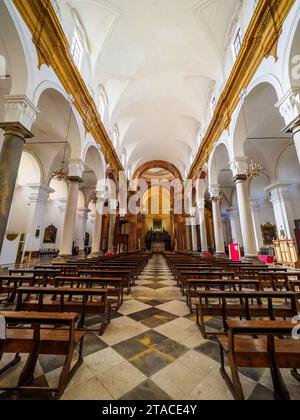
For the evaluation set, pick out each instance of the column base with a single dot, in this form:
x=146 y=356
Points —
x=95 y=255
x=252 y=259
x=61 y=259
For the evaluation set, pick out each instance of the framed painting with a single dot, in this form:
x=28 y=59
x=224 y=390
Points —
x=269 y=234
x=50 y=235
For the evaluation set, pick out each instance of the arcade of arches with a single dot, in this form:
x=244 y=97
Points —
x=145 y=155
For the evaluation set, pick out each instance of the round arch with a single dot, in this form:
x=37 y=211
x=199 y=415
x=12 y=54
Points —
x=157 y=164
x=256 y=114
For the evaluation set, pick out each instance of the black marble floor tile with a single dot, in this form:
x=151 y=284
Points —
x=261 y=393
x=50 y=363
x=210 y=349
x=254 y=374
x=172 y=348
x=155 y=286
x=147 y=391
x=151 y=362
x=92 y=344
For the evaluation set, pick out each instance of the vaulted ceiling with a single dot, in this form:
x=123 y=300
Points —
x=158 y=61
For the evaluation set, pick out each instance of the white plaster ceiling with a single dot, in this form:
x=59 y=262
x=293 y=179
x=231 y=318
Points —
x=158 y=61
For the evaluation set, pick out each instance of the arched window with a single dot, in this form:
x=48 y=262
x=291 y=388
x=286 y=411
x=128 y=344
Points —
x=76 y=50
x=79 y=43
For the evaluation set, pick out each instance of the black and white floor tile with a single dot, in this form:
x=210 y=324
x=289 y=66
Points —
x=151 y=351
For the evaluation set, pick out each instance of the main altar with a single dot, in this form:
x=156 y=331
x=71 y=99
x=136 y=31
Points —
x=158 y=241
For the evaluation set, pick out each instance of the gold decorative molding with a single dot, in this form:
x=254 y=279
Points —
x=260 y=42
x=54 y=51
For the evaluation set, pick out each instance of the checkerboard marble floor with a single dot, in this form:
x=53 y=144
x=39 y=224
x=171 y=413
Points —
x=151 y=351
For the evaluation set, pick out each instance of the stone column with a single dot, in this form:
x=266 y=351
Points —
x=193 y=222
x=96 y=245
x=235 y=226
x=83 y=215
x=76 y=169
x=202 y=225
x=112 y=226
x=238 y=167
x=255 y=209
x=38 y=196
x=289 y=107
x=214 y=191
x=20 y=114
x=188 y=234
x=283 y=211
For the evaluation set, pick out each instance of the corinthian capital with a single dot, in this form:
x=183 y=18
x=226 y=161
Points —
x=19 y=109
x=289 y=108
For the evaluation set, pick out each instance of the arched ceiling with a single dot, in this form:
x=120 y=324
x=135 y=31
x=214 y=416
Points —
x=158 y=61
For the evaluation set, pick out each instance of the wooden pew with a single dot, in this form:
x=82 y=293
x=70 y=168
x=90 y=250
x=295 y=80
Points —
x=246 y=305
x=205 y=275
x=42 y=277
x=124 y=274
x=67 y=300
x=35 y=334
x=263 y=351
x=194 y=287
x=114 y=286
x=9 y=284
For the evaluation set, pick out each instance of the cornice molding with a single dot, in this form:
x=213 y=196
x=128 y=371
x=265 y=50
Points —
x=260 y=42
x=53 y=50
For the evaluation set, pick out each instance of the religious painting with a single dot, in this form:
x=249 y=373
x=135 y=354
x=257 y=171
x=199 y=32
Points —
x=50 y=235
x=269 y=234
x=157 y=225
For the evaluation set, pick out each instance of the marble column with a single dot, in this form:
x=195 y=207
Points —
x=235 y=224
x=188 y=234
x=215 y=195
x=96 y=244
x=283 y=211
x=255 y=209
x=76 y=169
x=289 y=107
x=238 y=167
x=112 y=226
x=19 y=116
x=38 y=197
x=202 y=225
x=83 y=215
x=193 y=222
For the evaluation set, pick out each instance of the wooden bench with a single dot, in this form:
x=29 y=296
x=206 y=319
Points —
x=124 y=274
x=253 y=344
x=244 y=305
x=61 y=300
x=114 y=286
x=9 y=284
x=37 y=334
x=194 y=287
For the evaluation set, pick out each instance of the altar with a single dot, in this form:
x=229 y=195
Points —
x=158 y=247
x=158 y=241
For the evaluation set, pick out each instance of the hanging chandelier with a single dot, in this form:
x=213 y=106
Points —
x=62 y=173
x=254 y=170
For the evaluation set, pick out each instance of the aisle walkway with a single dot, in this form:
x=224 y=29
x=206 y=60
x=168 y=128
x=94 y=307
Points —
x=152 y=350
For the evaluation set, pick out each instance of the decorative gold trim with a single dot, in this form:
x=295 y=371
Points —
x=53 y=50
x=261 y=41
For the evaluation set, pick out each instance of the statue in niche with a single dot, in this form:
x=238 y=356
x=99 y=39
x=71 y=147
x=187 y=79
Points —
x=50 y=235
